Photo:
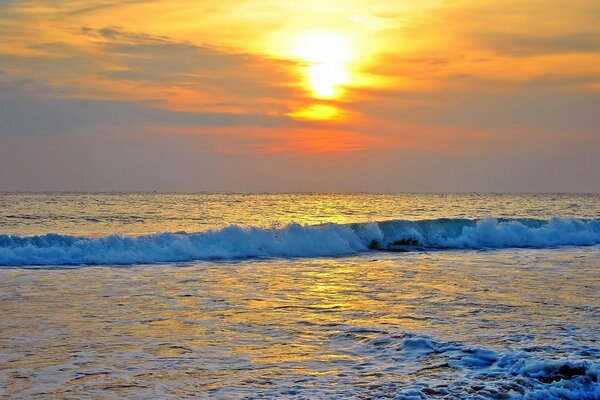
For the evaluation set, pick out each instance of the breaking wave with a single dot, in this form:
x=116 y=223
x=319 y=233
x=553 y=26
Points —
x=294 y=240
x=453 y=370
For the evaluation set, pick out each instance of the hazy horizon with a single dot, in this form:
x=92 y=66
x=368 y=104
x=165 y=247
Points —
x=287 y=192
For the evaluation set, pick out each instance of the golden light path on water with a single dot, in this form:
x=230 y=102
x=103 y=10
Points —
x=91 y=214
x=317 y=327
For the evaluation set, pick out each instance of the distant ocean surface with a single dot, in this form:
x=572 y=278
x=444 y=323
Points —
x=407 y=296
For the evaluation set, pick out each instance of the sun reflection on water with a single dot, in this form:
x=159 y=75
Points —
x=229 y=327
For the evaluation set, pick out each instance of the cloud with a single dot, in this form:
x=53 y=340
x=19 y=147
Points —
x=546 y=104
x=521 y=28
x=124 y=35
x=162 y=60
x=114 y=58
x=28 y=108
x=293 y=140
x=528 y=45
x=101 y=5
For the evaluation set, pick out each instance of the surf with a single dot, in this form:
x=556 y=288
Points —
x=295 y=240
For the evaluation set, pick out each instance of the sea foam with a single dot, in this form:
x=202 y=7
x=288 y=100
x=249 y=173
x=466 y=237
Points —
x=487 y=373
x=294 y=240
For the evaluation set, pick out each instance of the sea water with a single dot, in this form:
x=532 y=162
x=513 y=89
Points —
x=299 y=296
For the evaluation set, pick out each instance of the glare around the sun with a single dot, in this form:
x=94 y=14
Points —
x=327 y=55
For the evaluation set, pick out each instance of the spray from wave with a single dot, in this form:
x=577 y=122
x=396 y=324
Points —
x=295 y=240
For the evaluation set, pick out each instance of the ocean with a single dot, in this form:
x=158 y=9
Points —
x=303 y=296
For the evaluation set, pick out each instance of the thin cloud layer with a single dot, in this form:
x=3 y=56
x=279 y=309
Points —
x=24 y=111
x=440 y=89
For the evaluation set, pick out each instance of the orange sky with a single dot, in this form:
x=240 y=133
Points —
x=458 y=80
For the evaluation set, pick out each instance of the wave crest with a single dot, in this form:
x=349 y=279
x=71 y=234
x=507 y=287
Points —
x=296 y=240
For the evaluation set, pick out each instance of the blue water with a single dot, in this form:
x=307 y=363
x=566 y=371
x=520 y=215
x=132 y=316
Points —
x=299 y=296
x=296 y=240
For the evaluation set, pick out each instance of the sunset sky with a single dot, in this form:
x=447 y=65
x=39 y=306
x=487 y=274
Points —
x=354 y=95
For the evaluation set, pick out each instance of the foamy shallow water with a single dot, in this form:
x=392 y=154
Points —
x=233 y=296
x=508 y=323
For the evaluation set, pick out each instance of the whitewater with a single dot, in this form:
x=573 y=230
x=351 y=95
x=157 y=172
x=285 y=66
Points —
x=296 y=240
x=320 y=296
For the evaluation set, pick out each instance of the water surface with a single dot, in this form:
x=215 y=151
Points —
x=516 y=316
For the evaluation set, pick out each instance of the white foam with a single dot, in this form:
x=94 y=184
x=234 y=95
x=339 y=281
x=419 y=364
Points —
x=514 y=374
x=295 y=240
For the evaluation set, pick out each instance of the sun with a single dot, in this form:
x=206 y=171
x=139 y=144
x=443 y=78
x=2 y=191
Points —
x=327 y=55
